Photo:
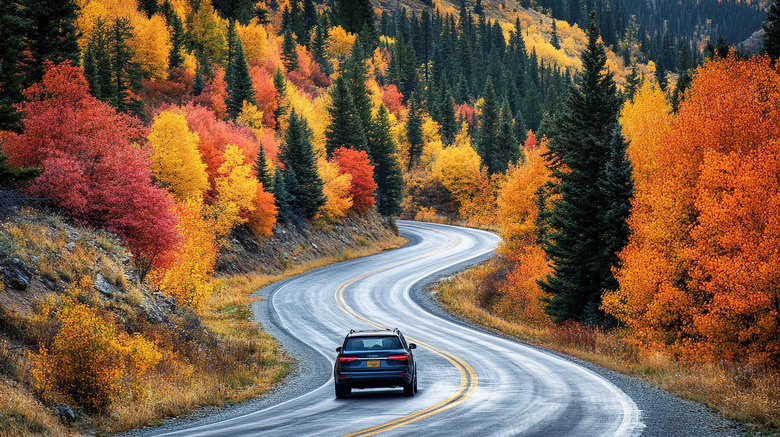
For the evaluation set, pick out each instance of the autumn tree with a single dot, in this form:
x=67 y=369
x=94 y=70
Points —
x=176 y=161
x=300 y=168
x=699 y=274
x=357 y=164
x=574 y=226
x=92 y=167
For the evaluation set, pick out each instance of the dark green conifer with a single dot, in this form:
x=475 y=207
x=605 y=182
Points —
x=198 y=84
x=12 y=29
x=507 y=150
x=52 y=35
x=264 y=170
x=319 y=46
x=300 y=168
x=282 y=198
x=289 y=52
x=771 y=38
x=554 y=37
x=487 y=139
x=387 y=169
x=574 y=231
x=633 y=82
x=449 y=123
x=346 y=126
x=240 y=88
x=12 y=177
x=414 y=133
x=280 y=83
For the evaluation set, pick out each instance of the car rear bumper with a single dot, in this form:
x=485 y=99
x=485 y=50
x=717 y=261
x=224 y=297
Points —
x=374 y=379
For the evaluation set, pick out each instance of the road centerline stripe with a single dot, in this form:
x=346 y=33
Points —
x=468 y=377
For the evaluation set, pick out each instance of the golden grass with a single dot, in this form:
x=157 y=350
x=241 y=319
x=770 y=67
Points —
x=740 y=392
x=22 y=416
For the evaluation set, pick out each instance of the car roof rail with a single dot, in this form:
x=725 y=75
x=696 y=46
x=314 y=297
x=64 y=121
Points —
x=351 y=331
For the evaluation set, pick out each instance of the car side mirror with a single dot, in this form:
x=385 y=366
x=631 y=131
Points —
x=412 y=346
x=338 y=349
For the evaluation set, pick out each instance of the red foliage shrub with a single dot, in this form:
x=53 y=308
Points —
x=392 y=99
x=91 y=166
x=356 y=163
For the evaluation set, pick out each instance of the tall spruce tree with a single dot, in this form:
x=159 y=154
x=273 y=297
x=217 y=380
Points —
x=289 y=52
x=487 y=138
x=771 y=38
x=414 y=133
x=280 y=84
x=239 y=86
x=282 y=198
x=574 y=230
x=301 y=179
x=264 y=170
x=346 y=126
x=507 y=150
x=12 y=29
x=449 y=123
x=387 y=169
x=52 y=35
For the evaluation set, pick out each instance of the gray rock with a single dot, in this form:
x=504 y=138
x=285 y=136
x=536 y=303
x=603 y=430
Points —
x=66 y=413
x=103 y=286
x=15 y=278
x=71 y=245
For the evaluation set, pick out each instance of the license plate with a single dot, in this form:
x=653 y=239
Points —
x=372 y=363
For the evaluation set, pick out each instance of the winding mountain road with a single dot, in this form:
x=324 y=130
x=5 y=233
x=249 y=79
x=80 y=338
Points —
x=470 y=382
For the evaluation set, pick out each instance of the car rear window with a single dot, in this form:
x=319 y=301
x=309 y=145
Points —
x=372 y=343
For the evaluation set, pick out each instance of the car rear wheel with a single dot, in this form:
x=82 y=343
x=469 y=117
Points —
x=342 y=391
x=409 y=389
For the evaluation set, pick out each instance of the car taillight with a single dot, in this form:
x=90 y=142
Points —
x=346 y=359
x=399 y=357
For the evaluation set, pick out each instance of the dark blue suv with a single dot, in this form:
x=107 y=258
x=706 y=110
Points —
x=376 y=358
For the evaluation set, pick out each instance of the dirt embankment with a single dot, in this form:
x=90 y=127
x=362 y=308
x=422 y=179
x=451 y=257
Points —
x=295 y=244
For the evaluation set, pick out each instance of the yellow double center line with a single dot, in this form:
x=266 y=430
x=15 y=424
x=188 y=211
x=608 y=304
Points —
x=468 y=378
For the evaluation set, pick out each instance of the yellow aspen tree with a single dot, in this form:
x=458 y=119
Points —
x=152 y=45
x=236 y=190
x=176 y=161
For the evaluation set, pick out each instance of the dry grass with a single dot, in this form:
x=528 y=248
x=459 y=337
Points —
x=740 y=392
x=21 y=415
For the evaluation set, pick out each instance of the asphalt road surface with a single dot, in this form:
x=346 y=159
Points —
x=470 y=382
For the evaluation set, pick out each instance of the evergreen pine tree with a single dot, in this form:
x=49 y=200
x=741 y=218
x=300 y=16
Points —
x=449 y=124
x=633 y=82
x=387 y=169
x=198 y=84
x=289 y=52
x=356 y=81
x=280 y=83
x=507 y=150
x=126 y=72
x=346 y=126
x=487 y=139
x=319 y=46
x=282 y=198
x=554 y=37
x=683 y=83
x=574 y=231
x=300 y=168
x=414 y=133
x=12 y=29
x=178 y=35
x=771 y=38
x=264 y=170
x=239 y=88
x=52 y=35
x=352 y=15
x=12 y=177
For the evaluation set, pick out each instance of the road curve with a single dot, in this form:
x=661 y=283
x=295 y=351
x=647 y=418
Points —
x=470 y=382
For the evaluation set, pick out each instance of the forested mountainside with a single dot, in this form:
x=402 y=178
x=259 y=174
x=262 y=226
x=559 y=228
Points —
x=171 y=125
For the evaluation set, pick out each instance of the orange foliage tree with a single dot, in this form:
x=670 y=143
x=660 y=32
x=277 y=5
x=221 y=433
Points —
x=357 y=164
x=526 y=262
x=700 y=273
